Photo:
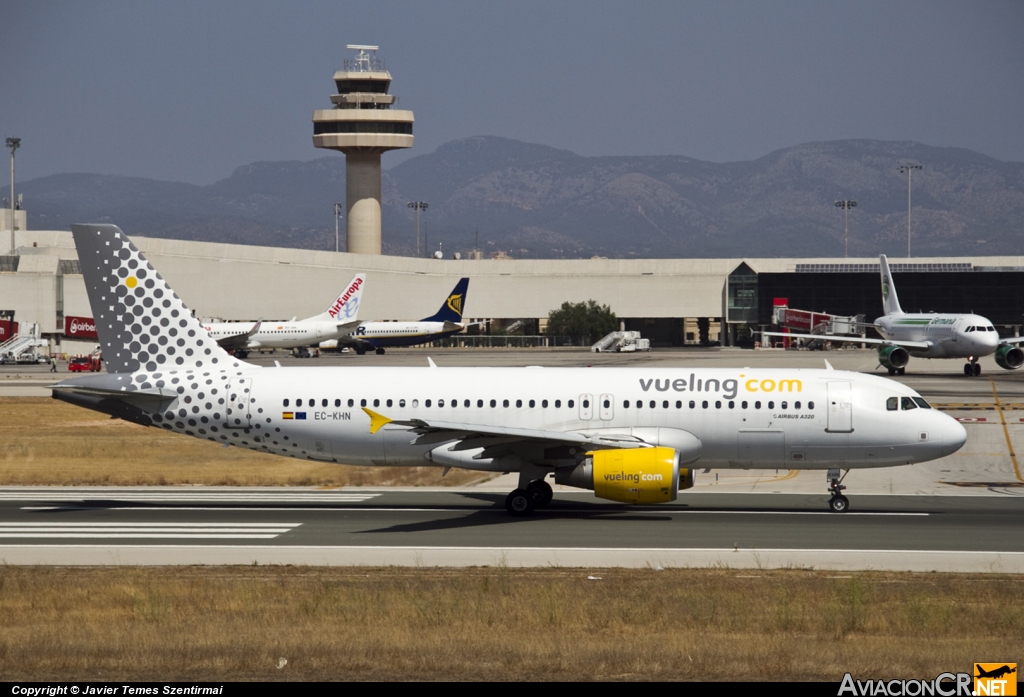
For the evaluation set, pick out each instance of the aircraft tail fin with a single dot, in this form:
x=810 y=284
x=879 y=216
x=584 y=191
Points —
x=451 y=309
x=890 y=302
x=142 y=323
x=346 y=307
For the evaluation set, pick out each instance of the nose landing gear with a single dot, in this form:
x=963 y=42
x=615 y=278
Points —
x=972 y=369
x=838 y=503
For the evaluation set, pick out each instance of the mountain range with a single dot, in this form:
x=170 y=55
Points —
x=535 y=201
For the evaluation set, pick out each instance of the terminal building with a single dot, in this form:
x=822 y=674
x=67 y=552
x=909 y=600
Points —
x=672 y=302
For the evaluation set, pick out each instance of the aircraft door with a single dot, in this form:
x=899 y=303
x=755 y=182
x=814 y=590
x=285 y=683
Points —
x=840 y=407
x=586 y=407
x=238 y=404
x=607 y=407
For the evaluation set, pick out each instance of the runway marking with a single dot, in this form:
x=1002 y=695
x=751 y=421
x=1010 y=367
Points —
x=189 y=531
x=186 y=496
x=1006 y=431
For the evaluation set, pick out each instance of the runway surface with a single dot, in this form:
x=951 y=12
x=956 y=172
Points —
x=468 y=527
x=960 y=513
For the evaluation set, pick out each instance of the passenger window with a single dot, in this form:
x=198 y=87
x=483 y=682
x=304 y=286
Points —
x=298 y=402
x=693 y=404
x=455 y=403
x=401 y=403
x=558 y=403
x=389 y=402
x=440 y=402
x=784 y=405
x=907 y=403
x=504 y=403
x=426 y=403
x=771 y=405
x=892 y=404
x=479 y=403
x=732 y=405
x=718 y=405
x=586 y=404
x=337 y=402
x=494 y=403
x=544 y=404
x=704 y=404
x=323 y=403
x=664 y=405
x=653 y=404
x=639 y=404
x=286 y=402
x=351 y=402
x=921 y=403
x=625 y=404
x=570 y=403
x=519 y=403
x=810 y=405
x=679 y=404
x=362 y=402
x=757 y=404
x=376 y=402
x=796 y=405
x=415 y=403
x=466 y=403
x=606 y=404
x=743 y=405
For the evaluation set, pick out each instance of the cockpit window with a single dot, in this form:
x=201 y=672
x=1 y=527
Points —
x=892 y=404
x=907 y=403
x=969 y=329
x=921 y=403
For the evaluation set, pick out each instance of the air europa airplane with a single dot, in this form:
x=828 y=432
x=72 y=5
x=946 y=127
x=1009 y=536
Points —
x=632 y=435
x=338 y=320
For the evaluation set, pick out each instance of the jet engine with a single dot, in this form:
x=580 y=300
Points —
x=635 y=475
x=1009 y=356
x=893 y=357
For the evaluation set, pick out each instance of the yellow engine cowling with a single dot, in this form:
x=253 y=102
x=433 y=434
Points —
x=636 y=475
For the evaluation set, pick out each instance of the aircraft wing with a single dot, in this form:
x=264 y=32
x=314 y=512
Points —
x=498 y=440
x=240 y=340
x=348 y=327
x=854 y=339
x=1012 y=340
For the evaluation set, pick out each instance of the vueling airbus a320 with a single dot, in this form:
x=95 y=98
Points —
x=632 y=435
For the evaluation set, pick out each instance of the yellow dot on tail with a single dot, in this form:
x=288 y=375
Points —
x=131 y=282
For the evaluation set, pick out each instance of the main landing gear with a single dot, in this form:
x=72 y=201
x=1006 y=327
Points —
x=897 y=371
x=972 y=369
x=241 y=354
x=380 y=352
x=523 y=502
x=838 y=503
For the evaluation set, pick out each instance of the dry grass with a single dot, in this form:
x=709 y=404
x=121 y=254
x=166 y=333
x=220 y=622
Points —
x=498 y=624
x=43 y=441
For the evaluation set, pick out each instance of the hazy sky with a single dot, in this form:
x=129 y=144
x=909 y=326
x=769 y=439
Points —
x=188 y=91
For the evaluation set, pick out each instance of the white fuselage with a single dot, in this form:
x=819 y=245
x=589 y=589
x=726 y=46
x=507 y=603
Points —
x=743 y=418
x=388 y=334
x=283 y=335
x=948 y=335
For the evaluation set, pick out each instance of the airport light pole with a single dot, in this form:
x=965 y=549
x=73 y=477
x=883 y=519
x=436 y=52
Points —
x=846 y=206
x=13 y=144
x=418 y=206
x=337 y=216
x=909 y=169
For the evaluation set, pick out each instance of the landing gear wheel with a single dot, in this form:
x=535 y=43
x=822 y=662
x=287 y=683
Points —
x=892 y=371
x=901 y=371
x=241 y=354
x=380 y=352
x=839 y=504
x=968 y=370
x=519 y=503
x=361 y=351
x=976 y=369
x=540 y=493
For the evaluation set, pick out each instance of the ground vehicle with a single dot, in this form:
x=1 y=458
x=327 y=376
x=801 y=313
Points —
x=30 y=357
x=82 y=364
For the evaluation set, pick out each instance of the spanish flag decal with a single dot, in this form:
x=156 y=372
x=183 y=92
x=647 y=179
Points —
x=288 y=415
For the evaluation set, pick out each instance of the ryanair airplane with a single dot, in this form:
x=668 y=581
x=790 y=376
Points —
x=377 y=336
x=931 y=335
x=632 y=435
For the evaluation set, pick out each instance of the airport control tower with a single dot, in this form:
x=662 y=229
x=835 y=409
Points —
x=362 y=125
